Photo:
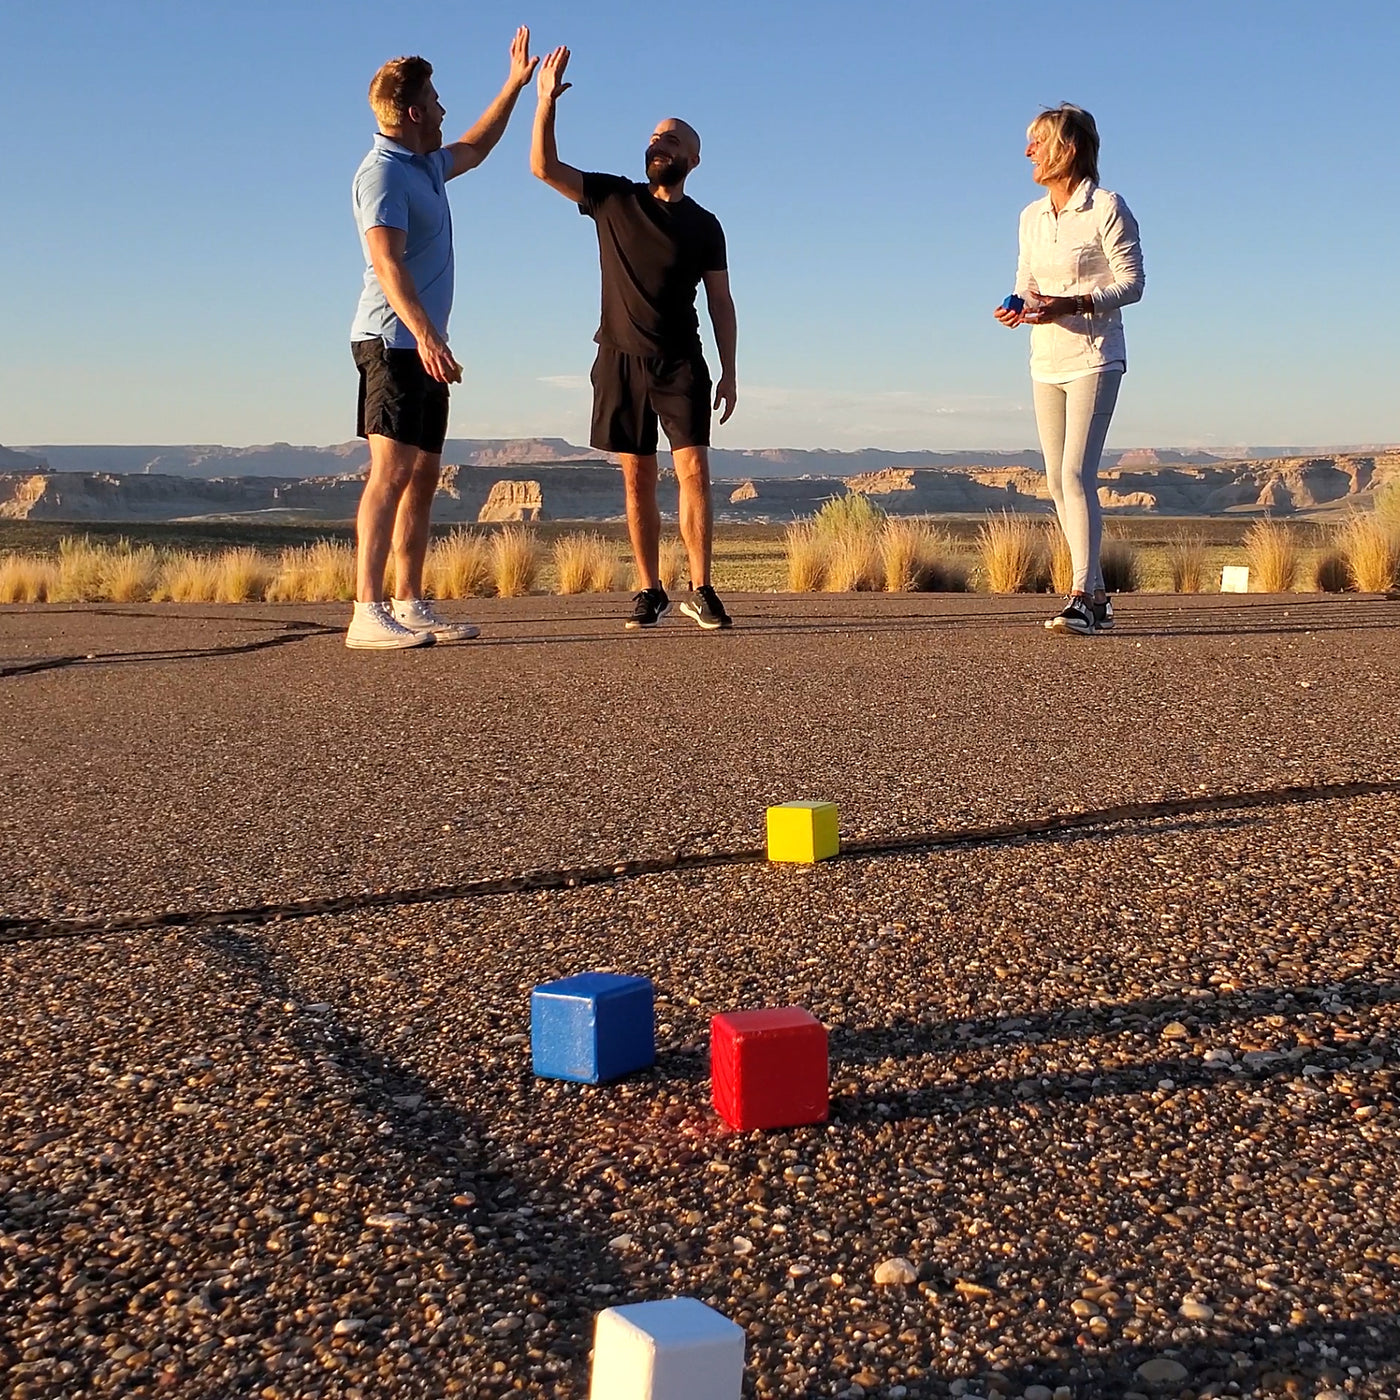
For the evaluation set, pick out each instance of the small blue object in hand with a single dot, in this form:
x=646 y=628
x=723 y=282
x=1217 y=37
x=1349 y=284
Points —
x=1013 y=303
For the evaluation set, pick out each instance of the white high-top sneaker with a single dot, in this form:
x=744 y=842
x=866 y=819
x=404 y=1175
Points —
x=419 y=615
x=374 y=628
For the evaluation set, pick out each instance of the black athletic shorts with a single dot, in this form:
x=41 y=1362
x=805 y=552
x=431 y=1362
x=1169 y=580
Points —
x=399 y=399
x=630 y=392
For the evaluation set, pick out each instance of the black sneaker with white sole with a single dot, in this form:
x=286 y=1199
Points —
x=704 y=607
x=649 y=607
x=1077 y=617
x=1103 y=615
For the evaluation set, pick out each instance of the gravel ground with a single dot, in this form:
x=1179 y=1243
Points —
x=1123 y=1099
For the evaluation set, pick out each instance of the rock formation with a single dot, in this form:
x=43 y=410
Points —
x=744 y=491
x=881 y=483
x=512 y=501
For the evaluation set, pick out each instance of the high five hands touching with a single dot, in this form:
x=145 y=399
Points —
x=522 y=66
x=552 y=83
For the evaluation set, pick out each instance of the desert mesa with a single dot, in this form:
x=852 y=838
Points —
x=549 y=479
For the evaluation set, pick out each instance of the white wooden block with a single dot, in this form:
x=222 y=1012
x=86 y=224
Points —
x=1234 y=578
x=675 y=1349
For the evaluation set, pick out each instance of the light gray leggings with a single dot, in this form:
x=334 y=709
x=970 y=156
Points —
x=1073 y=422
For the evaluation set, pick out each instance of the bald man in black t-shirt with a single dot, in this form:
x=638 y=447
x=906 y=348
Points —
x=655 y=246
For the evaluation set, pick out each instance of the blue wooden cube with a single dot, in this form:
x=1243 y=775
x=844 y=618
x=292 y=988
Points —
x=593 y=1027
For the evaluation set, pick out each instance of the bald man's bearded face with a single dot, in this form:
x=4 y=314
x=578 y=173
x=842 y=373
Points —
x=666 y=169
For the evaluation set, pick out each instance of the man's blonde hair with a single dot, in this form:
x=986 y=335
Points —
x=1070 y=141
x=397 y=86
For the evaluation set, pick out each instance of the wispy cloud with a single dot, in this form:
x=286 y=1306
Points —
x=573 y=383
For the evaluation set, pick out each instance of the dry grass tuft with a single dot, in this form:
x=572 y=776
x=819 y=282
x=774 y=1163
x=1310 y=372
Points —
x=853 y=564
x=130 y=575
x=515 y=561
x=459 y=566
x=1331 y=574
x=911 y=554
x=81 y=572
x=1372 y=553
x=806 y=557
x=1186 y=558
x=1388 y=507
x=188 y=578
x=1013 y=554
x=26 y=578
x=245 y=576
x=323 y=572
x=1061 y=561
x=673 y=563
x=1119 y=562
x=1273 y=556
x=848 y=529
x=584 y=563
x=848 y=516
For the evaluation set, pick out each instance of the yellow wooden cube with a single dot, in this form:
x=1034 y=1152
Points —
x=803 y=831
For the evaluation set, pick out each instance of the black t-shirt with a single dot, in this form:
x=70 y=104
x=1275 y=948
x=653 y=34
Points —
x=653 y=255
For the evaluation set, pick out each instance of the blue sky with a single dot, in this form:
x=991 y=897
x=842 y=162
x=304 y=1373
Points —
x=182 y=265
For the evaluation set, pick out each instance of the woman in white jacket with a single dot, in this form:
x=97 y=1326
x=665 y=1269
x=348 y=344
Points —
x=1080 y=261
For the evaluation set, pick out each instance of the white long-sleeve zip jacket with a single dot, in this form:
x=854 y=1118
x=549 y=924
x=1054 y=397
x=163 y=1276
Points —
x=1090 y=248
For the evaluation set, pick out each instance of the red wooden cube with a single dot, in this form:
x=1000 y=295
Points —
x=769 y=1068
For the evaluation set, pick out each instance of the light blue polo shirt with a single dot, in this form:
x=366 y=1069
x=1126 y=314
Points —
x=394 y=188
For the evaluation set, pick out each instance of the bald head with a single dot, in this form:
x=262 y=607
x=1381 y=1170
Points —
x=672 y=153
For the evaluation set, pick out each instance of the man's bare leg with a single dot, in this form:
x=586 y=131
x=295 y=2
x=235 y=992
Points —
x=412 y=525
x=697 y=515
x=643 y=516
x=390 y=471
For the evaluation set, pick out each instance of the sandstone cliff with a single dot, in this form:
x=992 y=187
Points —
x=588 y=491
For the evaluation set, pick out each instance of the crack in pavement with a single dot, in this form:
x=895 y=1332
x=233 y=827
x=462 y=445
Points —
x=27 y=930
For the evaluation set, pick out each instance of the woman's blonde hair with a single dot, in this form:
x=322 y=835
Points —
x=1071 y=143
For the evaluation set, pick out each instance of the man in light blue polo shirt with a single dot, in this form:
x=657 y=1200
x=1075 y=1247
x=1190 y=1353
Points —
x=399 y=337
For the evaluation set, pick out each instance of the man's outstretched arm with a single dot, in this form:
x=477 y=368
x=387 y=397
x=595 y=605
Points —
x=544 y=153
x=478 y=143
x=726 y=324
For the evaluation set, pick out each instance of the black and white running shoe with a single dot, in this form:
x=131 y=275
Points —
x=1077 y=617
x=1103 y=615
x=649 y=607
x=705 y=607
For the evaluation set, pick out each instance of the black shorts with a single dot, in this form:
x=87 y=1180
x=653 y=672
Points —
x=630 y=392
x=399 y=399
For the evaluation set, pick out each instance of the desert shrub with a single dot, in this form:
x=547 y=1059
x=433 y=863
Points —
x=1388 y=506
x=81 y=572
x=331 y=566
x=130 y=575
x=188 y=578
x=26 y=578
x=245 y=575
x=1272 y=552
x=1186 y=558
x=1372 y=553
x=459 y=566
x=291 y=581
x=806 y=555
x=851 y=515
x=1060 y=560
x=584 y=563
x=1012 y=554
x=515 y=561
x=673 y=562
x=853 y=563
x=1119 y=562
x=1331 y=574
x=911 y=554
